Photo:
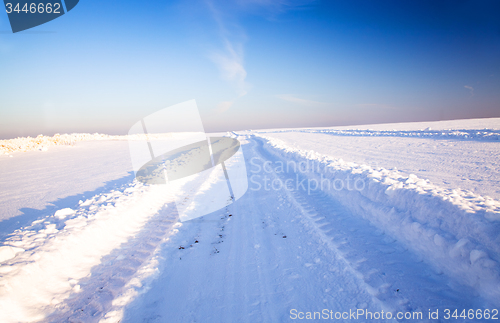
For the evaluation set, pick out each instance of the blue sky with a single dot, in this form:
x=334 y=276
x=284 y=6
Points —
x=251 y=64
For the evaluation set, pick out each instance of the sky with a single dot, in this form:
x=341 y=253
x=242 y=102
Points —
x=251 y=64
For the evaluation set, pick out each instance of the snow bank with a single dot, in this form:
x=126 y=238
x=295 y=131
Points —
x=43 y=264
x=8 y=252
x=42 y=143
x=39 y=143
x=457 y=231
x=463 y=134
x=85 y=261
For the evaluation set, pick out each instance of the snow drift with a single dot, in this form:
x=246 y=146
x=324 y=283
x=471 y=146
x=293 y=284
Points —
x=454 y=230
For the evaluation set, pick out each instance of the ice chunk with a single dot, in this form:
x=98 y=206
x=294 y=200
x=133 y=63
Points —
x=63 y=213
x=8 y=252
x=475 y=255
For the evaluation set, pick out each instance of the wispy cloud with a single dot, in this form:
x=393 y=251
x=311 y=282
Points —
x=470 y=88
x=300 y=101
x=230 y=58
x=232 y=69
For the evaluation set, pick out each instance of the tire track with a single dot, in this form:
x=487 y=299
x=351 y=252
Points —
x=397 y=279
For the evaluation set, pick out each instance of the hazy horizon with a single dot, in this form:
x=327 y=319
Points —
x=251 y=64
x=122 y=133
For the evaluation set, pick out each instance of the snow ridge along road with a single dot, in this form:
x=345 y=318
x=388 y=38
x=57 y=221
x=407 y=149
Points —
x=460 y=134
x=57 y=254
x=313 y=232
x=456 y=231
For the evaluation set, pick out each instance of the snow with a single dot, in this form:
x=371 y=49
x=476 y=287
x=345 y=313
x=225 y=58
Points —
x=463 y=134
x=8 y=252
x=430 y=220
x=42 y=143
x=64 y=251
x=38 y=183
x=400 y=218
x=63 y=213
x=452 y=164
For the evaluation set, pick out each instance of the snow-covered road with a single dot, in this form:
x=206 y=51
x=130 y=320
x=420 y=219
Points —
x=285 y=250
x=313 y=233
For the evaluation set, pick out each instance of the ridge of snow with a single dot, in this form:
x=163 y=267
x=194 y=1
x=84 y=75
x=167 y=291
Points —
x=43 y=264
x=462 y=134
x=457 y=231
x=42 y=143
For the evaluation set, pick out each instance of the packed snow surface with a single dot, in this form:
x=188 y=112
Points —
x=399 y=219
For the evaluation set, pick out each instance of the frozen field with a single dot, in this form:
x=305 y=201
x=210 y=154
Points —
x=400 y=218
